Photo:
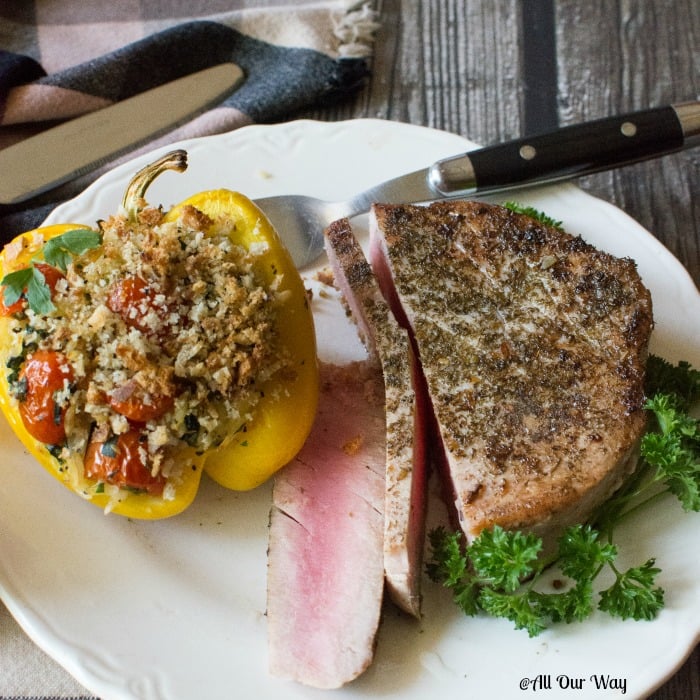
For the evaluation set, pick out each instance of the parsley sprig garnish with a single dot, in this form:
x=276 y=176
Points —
x=57 y=252
x=31 y=283
x=488 y=577
x=534 y=213
x=501 y=573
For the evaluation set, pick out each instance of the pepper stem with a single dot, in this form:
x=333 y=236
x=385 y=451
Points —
x=134 y=197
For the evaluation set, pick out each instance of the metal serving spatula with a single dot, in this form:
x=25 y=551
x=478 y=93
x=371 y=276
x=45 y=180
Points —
x=562 y=154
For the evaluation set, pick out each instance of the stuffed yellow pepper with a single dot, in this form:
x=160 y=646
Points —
x=136 y=355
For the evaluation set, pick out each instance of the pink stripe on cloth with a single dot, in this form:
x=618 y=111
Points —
x=37 y=103
x=62 y=46
x=69 y=33
x=215 y=121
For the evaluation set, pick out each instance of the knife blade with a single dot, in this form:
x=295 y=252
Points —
x=75 y=147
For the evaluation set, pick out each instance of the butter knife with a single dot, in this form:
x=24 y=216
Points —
x=78 y=146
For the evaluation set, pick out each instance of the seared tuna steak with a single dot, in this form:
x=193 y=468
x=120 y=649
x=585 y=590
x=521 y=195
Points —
x=533 y=344
x=325 y=569
x=406 y=462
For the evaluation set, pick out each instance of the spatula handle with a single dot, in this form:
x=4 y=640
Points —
x=571 y=151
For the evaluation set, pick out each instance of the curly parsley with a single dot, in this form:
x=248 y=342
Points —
x=498 y=572
x=534 y=213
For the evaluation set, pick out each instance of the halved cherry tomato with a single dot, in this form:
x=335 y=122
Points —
x=130 y=402
x=134 y=300
x=12 y=308
x=44 y=373
x=120 y=462
x=51 y=274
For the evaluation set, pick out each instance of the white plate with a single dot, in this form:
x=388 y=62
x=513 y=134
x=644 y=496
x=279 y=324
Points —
x=176 y=609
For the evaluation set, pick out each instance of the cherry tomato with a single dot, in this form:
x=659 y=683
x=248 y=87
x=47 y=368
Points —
x=12 y=308
x=43 y=374
x=134 y=300
x=126 y=468
x=130 y=402
x=51 y=274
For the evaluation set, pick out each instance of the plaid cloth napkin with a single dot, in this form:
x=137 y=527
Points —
x=62 y=58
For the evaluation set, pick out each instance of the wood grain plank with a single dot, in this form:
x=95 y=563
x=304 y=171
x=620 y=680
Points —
x=683 y=685
x=539 y=66
x=643 y=54
x=444 y=64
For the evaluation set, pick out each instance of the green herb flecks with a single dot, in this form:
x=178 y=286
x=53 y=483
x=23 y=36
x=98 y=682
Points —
x=57 y=252
x=109 y=447
x=192 y=428
x=501 y=573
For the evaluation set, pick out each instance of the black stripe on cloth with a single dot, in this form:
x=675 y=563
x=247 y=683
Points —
x=279 y=80
x=18 y=11
x=539 y=67
x=16 y=69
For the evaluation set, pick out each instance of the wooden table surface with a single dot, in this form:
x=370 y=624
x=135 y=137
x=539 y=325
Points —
x=496 y=69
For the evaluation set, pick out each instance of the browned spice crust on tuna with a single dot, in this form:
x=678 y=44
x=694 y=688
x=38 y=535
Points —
x=533 y=343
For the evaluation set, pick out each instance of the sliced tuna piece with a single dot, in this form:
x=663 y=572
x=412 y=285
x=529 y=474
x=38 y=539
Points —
x=325 y=565
x=533 y=346
x=406 y=415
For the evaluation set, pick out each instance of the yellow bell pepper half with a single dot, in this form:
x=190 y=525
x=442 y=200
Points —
x=283 y=418
x=279 y=422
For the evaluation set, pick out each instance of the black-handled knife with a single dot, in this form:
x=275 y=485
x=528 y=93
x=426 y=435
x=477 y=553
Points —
x=558 y=155
x=569 y=152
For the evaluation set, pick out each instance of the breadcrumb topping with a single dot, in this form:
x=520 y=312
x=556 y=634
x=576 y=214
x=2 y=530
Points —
x=163 y=314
